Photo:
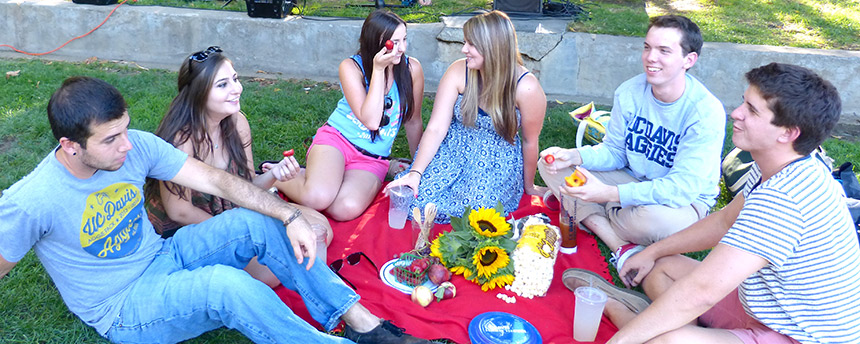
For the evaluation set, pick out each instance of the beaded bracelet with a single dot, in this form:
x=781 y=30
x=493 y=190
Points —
x=417 y=171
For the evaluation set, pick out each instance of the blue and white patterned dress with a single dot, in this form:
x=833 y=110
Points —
x=475 y=167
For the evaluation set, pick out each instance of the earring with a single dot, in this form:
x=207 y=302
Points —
x=74 y=153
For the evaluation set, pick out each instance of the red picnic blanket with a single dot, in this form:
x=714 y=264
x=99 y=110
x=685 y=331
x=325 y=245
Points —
x=552 y=314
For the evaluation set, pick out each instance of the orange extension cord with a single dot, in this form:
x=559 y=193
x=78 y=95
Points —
x=69 y=41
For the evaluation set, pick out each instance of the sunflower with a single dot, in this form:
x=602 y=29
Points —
x=462 y=270
x=497 y=281
x=488 y=222
x=478 y=247
x=436 y=249
x=490 y=259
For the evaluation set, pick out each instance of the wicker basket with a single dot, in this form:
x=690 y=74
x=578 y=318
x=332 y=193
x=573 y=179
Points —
x=403 y=275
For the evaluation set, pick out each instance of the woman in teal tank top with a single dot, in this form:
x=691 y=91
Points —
x=382 y=89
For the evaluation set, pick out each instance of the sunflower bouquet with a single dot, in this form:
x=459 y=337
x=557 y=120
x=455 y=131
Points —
x=479 y=247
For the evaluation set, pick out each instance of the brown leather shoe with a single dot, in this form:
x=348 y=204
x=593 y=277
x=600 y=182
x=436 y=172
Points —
x=634 y=300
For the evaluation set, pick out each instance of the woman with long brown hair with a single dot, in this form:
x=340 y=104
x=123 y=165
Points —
x=472 y=153
x=205 y=121
x=382 y=89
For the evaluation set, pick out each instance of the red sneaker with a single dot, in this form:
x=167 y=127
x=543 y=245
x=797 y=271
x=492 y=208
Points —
x=623 y=253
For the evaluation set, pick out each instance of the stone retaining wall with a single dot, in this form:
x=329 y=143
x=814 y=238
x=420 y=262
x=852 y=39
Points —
x=570 y=66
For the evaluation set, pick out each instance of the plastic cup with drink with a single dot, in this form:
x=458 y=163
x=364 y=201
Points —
x=400 y=198
x=567 y=227
x=588 y=310
x=320 y=233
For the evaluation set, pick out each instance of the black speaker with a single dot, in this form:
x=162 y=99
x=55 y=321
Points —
x=269 y=8
x=95 y=2
x=518 y=6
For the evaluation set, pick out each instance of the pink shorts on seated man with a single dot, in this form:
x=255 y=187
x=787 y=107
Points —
x=657 y=169
x=785 y=263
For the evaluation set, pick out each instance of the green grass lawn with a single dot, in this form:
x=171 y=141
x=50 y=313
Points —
x=831 y=24
x=283 y=114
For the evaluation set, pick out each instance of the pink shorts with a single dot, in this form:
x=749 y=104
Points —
x=352 y=158
x=729 y=314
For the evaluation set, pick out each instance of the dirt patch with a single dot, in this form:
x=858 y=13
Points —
x=328 y=86
x=631 y=3
x=262 y=81
x=677 y=6
x=6 y=143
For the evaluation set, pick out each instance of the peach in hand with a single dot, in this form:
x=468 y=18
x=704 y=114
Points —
x=575 y=179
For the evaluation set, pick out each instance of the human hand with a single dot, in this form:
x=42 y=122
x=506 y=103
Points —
x=593 y=190
x=636 y=268
x=385 y=58
x=411 y=179
x=286 y=169
x=561 y=158
x=303 y=240
x=425 y=2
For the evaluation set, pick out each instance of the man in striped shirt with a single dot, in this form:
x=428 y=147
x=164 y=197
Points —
x=785 y=264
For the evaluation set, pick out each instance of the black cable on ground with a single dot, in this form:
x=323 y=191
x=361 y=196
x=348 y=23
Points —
x=565 y=8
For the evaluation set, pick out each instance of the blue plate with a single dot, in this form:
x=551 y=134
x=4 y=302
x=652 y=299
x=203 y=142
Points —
x=387 y=276
x=502 y=328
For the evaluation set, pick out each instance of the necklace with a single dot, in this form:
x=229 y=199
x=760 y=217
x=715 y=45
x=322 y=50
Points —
x=216 y=145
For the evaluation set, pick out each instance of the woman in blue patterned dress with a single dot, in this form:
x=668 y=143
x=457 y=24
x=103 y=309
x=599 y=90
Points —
x=472 y=153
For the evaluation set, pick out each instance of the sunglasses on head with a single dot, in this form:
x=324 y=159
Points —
x=201 y=56
x=352 y=259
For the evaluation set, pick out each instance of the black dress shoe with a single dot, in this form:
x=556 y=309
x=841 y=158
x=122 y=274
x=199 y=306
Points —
x=385 y=333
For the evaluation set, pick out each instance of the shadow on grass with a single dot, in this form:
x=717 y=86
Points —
x=799 y=23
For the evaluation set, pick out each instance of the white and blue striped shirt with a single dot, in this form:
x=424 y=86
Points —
x=798 y=221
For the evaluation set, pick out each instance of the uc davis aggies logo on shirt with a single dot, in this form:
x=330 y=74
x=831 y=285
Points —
x=110 y=227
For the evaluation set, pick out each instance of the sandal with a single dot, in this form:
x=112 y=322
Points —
x=397 y=165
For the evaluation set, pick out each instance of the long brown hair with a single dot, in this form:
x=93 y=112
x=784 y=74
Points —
x=378 y=28
x=186 y=119
x=495 y=85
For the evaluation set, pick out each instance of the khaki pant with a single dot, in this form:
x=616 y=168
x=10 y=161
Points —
x=638 y=224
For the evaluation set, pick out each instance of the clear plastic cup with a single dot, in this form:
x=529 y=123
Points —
x=416 y=232
x=400 y=198
x=588 y=311
x=320 y=233
x=416 y=235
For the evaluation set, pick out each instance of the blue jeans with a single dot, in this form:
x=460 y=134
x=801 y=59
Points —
x=196 y=284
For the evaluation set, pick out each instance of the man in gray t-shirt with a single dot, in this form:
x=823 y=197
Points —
x=658 y=166
x=81 y=210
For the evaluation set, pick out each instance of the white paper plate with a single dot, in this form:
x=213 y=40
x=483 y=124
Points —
x=388 y=277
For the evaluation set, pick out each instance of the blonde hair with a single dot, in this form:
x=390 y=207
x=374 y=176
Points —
x=495 y=85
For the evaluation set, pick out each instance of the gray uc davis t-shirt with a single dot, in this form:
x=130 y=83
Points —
x=92 y=235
